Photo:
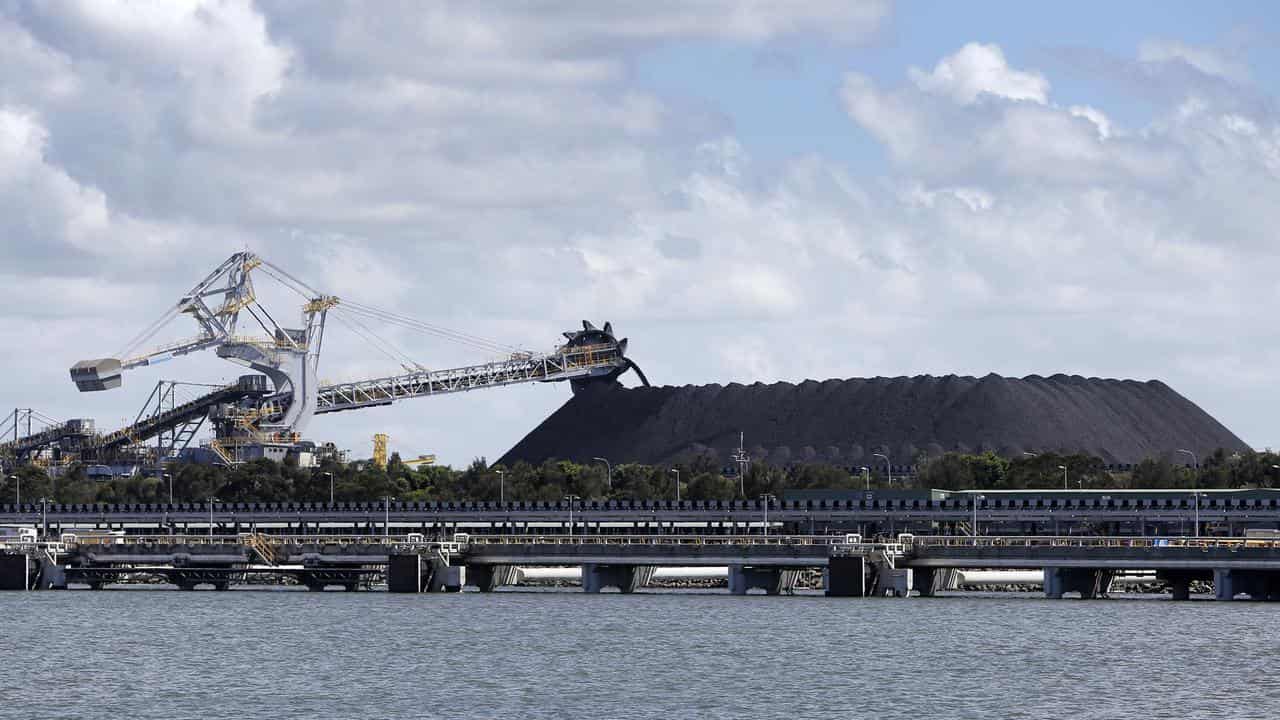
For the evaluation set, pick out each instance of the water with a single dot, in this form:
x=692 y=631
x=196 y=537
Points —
x=265 y=654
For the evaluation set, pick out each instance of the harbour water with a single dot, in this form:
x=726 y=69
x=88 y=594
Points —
x=556 y=654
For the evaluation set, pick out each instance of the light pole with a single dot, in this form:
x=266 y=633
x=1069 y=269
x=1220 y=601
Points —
x=741 y=457
x=169 y=477
x=1195 y=485
x=608 y=469
x=502 y=486
x=1197 y=499
x=330 y=488
x=1063 y=468
x=212 y=500
x=572 y=499
x=767 y=498
x=974 y=529
x=1029 y=454
x=44 y=517
x=18 y=480
x=677 y=472
x=386 y=522
x=887 y=466
x=866 y=477
x=1195 y=463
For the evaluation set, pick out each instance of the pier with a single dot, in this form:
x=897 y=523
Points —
x=1086 y=567
x=1138 y=513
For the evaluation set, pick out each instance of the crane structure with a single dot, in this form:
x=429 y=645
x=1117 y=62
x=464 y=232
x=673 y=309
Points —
x=273 y=406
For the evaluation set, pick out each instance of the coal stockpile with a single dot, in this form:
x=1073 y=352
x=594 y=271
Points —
x=845 y=421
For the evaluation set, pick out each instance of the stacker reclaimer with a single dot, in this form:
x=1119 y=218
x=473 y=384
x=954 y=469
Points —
x=265 y=413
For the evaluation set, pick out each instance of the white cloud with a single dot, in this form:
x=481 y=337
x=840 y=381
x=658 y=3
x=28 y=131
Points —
x=1207 y=60
x=977 y=69
x=1095 y=116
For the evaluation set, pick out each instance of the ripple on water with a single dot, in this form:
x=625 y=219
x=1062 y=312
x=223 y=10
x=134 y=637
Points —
x=662 y=655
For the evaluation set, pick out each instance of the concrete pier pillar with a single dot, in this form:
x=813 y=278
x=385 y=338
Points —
x=1257 y=584
x=1224 y=584
x=893 y=582
x=845 y=577
x=15 y=572
x=51 y=575
x=925 y=581
x=407 y=573
x=1088 y=582
x=1179 y=583
x=773 y=580
x=487 y=578
x=627 y=578
x=446 y=578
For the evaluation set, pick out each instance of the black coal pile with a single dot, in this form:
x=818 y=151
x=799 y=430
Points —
x=846 y=421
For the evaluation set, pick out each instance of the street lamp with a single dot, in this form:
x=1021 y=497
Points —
x=866 y=477
x=974 y=529
x=608 y=468
x=386 y=522
x=212 y=500
x=169 y=477
x=1195 y=463
x=1030 y=454
x=677 y=472
x=1196 y=495
x=1063 y=468
x=1195 y=485
x=44 y=517
x=741 y=457
x=887 y=466
x=18 y=480
x=767 y=498
x=502 y=486
x=572 y=499
x=330 y=475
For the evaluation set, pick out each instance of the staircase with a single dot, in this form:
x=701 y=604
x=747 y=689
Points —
x=267 y=550
x=221 y=452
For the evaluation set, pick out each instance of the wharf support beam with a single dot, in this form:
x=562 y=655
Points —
x=1089 y=582
x=16 y=571
x=1257 y=584
x=773 y=580
x=415 y=573
x=487 y=578
x=846 y=576
x=627 y=578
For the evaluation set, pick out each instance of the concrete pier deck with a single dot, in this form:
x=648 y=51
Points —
x=1086 y=566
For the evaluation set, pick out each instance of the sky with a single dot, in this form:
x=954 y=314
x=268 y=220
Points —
x=749 y=191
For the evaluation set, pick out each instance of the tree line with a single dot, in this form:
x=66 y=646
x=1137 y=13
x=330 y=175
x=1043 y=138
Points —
x=267 y=481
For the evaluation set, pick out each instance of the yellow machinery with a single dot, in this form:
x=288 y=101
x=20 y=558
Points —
x=380 y=450
x=421 y=460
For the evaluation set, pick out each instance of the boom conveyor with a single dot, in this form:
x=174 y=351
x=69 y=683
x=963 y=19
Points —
x=289 y=359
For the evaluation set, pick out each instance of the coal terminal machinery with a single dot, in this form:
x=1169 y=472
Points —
x=264 y=414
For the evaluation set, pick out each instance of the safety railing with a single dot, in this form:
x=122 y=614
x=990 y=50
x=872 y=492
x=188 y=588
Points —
x=995 y=541
x=206 y=539
x=577 y=539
